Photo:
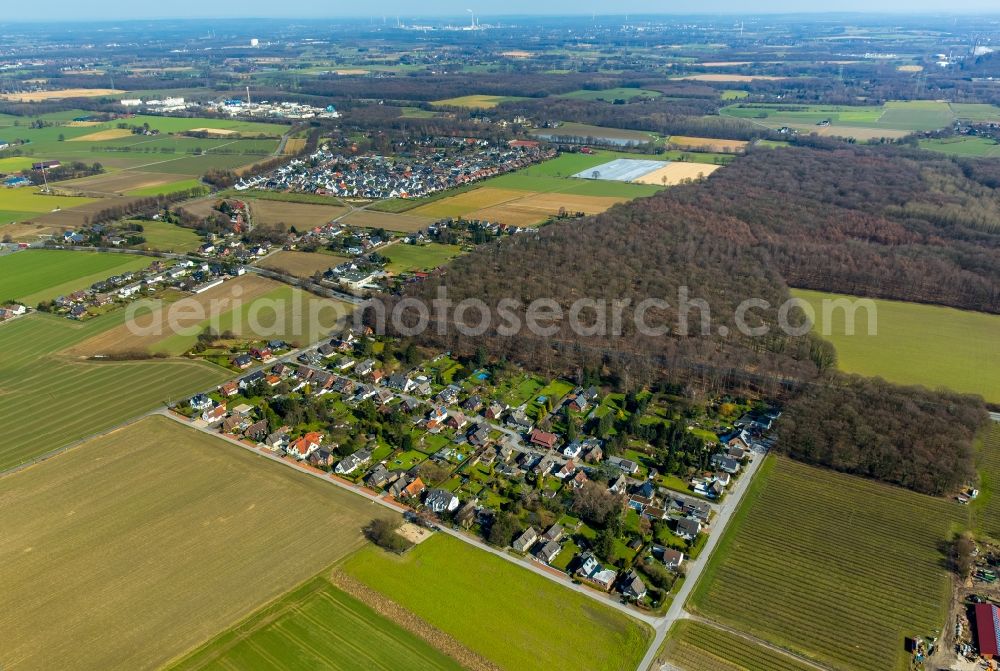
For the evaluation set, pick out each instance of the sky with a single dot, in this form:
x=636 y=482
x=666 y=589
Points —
x=74 y=10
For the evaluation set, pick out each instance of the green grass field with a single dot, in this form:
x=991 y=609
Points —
x=167 y=189
x=863 y=122
x=986 y=508
x=403 y=258
x=54 y=400
x=512 y=617
x=695 y=646
x=978 y=147
x=26 y=202
x=165 y=237
x=475 y=101
x=610 y=95
x=917 y=344
x=979 y=112
x=316 y=626
x=42 y=274
x=834 y=567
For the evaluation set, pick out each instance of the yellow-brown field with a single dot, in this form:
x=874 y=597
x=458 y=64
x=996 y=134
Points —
x=302 y=216
x=690 y=143
x=115 y=182
x=38 y=96
x=464 y=203
x=220 y=132
x=728 y=78
x=910 y=68
x=724 y=64
x=294 y=145
x=400 y=223
x=300 y=264
x=132 y=549
x=84 y=124
x=103 y=135
x=677 y=172
x=536 y=208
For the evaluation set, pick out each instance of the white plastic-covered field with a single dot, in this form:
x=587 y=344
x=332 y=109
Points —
x=622 y=169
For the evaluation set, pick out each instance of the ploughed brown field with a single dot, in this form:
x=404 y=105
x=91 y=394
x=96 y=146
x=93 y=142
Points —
x=136 y=547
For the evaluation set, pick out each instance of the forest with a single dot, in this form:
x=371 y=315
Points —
x=882 y=221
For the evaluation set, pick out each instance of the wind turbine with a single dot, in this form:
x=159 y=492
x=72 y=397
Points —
x=473 y=14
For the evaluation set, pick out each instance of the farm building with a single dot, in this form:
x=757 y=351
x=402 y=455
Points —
x=988 y=629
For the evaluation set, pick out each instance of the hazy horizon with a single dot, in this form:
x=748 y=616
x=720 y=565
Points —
x=109 y=10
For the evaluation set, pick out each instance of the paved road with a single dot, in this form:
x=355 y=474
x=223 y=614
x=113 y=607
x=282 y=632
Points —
x=695 y=567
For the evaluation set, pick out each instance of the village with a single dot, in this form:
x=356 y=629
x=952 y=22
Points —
x=545 y=468
x=415 y=170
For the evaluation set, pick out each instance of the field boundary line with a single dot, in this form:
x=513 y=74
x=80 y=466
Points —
x=760 y=642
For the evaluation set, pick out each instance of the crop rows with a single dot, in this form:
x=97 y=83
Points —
x=988 y=507
x=836 y=567
x=694 y=646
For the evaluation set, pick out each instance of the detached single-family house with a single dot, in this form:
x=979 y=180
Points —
x=440 y=501
x=632 y=586
x=725 y=464
x=200 y=402
x=378 y=477
x=306 y=445
x=624 y=465
x=549 y=552
x=673 y=559
x=554 y=533
x=214 y=415
x=352 y=462
x=543 y=439
x=524 y=542
x=688 y=529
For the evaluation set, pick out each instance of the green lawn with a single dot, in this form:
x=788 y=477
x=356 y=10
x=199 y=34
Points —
x=54 y=400
x=512 y=617
x=917 y=344
x=979 y=147
x=896 y=116
x=835 y=567
x=165 y=237
x=316 y=626
x=42 y=274
x=979 y=112
x=167 y=189
x=695 y=646
x=610 y=95
x=403 y=257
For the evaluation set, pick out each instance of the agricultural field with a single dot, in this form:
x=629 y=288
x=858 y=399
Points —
x=695 y=646
x=610 y=95
x=976 y=147
x=411 y=258
x=317 y=626
x=724 y=77
x=28 y=202
x=165 y=237
x=58 y=399
x=688 y=143
x=915 y=344
x=37 y=275
x=300 y=264
x=869 y=580
x=398 y=223
x=302 y=216
x=60 y=94
x=678 y=172
x=475 y=101
x=893 y=119
x=434 y=581
x=169 y=188
x=610 y=135
x=977 y=112
x=134 y=548
x=986 y=507
x=118 y=183
x=514 y=207
x=249 y=306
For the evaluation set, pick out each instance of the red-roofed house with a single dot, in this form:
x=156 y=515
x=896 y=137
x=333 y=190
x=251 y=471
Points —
x=988 y=629
x=543 y=439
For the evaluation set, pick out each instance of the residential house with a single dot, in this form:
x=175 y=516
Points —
x=214 y=415
x=725 y=464
x=473 y=404
x=583 y=399
x=256 y=431
x=253 y=378
x=554 y=533
x=304 y=446
x=688 y=529
x=321 y=457
x=441 y=501
x=573 y=450
x=229 y=389
x=200 y=402
x=378 y=477
x=495 y=410
x=456 y=420
x=568 y=469
x=673 y=559
x=543 y=439
x=352 y=462
x=364 y=368
x=549 y=552
x=524 y=542
x=414 y=489
x=624 y=465
x=277 y=440
x=243 y=361
x=591 y=570
x=619 y=486
x=399 y=382
x=632 y=586
x=579 y=479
